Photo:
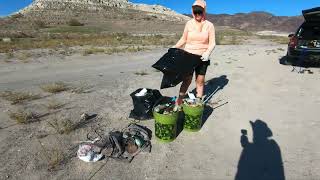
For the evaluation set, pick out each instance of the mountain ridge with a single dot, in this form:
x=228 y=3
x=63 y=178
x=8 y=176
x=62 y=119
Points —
x=257 y=21
x=97 y=6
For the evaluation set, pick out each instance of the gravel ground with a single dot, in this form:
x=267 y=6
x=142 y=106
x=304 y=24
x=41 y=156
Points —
x=281 y=104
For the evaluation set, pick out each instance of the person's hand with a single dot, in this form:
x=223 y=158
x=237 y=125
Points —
x=205 y=56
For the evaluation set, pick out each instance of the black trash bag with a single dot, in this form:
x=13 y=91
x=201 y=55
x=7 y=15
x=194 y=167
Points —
x=177 y=61
x=171 y=80
x=175 y=65
x=142 y=105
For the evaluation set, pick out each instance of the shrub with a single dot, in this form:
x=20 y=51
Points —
x=74 y=22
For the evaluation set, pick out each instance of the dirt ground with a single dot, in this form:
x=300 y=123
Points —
x=254 y=87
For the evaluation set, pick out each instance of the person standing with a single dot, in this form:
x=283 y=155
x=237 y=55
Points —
x=198 y=38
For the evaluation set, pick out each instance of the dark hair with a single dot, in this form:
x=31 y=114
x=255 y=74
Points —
x=197 y=10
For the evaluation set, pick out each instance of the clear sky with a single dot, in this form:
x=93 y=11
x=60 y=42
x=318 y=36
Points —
x=277 y=7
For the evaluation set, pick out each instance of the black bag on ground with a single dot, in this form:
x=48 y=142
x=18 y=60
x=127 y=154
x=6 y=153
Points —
x=142 y=105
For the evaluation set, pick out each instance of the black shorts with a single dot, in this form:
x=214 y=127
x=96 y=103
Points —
x=201 y=69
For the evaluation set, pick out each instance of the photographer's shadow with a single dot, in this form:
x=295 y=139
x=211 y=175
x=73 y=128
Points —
x=260 y=159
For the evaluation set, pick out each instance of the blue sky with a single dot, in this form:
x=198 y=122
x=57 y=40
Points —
x=277 y=7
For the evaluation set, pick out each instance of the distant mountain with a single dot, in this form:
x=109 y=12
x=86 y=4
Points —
x=257 y=21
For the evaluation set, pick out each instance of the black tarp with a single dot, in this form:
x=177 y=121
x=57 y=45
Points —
x=175 y=65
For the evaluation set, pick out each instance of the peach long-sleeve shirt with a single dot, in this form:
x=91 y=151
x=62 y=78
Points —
x=198 y=38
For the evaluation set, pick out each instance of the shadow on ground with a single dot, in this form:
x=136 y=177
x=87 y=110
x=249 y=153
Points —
x=212 y=84
x=260 y=159
x=209 y=88
x=300 y=62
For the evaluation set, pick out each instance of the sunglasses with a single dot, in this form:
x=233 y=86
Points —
x=197 y=10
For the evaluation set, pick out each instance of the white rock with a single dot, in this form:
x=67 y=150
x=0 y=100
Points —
x=7 y=40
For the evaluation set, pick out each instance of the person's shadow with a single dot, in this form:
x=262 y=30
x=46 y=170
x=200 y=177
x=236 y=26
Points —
x=212 y=84
x=210 y=87
x=260 y=159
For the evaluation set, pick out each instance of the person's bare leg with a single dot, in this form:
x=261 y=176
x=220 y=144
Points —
x=184 y=88
x=200 y=85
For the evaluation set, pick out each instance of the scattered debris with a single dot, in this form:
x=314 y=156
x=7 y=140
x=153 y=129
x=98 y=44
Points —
x=306 y=70
x=271 y=51
x=84 y=116
x=121 y=145
x=141 y=73
x=168 y=107
x=193 y=102
x=89 y=153
x=143 y=92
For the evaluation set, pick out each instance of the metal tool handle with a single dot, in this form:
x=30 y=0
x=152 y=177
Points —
x=205 y=101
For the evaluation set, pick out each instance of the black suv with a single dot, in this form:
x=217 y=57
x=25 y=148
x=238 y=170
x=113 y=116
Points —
x=304 y=45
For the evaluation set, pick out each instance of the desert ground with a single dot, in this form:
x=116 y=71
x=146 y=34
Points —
x=254 y=86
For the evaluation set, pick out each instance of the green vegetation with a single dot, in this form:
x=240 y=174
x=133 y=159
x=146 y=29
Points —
x=276 y=39
x=53 y=104
x=54 y=157
x=18 y=97
x=63 y=126
x=23 y=117
x=55 y=87
x=73 y=29
x=93 y=50
x=38 y=24
x=56 y=40
x=9 y=55
x=74 y=22
x=24 y=56
x=231 y=36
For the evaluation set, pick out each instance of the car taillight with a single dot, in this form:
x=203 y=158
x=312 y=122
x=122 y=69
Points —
x=293 y=42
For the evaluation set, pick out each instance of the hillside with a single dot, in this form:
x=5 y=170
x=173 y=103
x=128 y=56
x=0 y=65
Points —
x=103 y=15
x=257 y=21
